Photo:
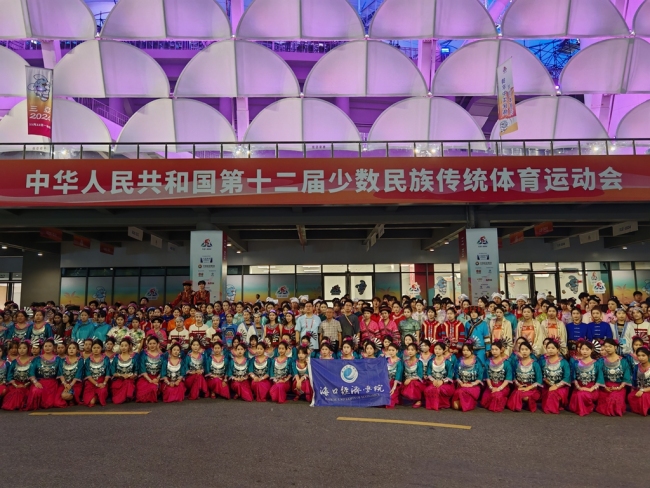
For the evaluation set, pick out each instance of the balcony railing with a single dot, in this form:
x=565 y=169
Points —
x=422 y=149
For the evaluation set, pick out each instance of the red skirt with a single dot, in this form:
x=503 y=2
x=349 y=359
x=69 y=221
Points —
x=172 y=394
x=413 y=391
x=261 y=389
x=611 y=403
x=122 y=390
x=436 y=398
x=15 y=399
x=196 y=385
x=77 y=389
x=495 y=401
x=241 y=389
x=279 y=391
x=3 y=390
x=394 y=397
x=91 y=391
x=640 y=406
x=219 y=387
x=146 y=392
x=467 y=397
x=45 y=397
x=583 y=402
x=516 y=400
x=305 y=389
x=554 y=401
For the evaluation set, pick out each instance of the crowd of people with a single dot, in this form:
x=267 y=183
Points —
x=580 y=355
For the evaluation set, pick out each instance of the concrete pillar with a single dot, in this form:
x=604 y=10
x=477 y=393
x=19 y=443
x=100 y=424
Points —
x=426 y=59
x=41 y=278
x=243 y=117
x=343 y=103
x=51 y=52
x=225 y=107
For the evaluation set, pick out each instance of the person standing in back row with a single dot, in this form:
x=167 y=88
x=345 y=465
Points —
x=308 y=323
x=349 y=322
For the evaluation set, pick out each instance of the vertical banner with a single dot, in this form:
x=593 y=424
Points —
x=207 y=262
x=506 y=94
x=462 y=253
x=39 y=101
x=482 y=255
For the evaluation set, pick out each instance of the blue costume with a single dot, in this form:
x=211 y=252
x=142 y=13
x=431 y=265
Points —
x=83 y=331
x=39 y=335
x=556 y=373
x=601 y=330
x=575 y=332
x=479 y=332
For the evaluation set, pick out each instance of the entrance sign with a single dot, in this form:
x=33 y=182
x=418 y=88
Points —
x=39 y=101
x=479 y=262
x=208 y=261
x=358 y=383
x=364 y=181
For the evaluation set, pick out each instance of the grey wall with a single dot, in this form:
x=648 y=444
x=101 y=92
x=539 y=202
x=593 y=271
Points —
x=133 y=253
x=41 y=278
x=11 y=265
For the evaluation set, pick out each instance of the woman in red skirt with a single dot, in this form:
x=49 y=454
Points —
x=556 y=376
x=281 y=371
x=4 y=368
x=617 y=375
x=239 y=374
x=97 y=370
x=70 y=376
x=150 y=365
x=639 y=397
x=194 y=366
x=125 y=370
x=469 y=375
x=395 y=373
x=527 y=380
x=173 y=376
x=499 y=379
x=413 y=387
x=587 y=379
x=42 y=374
x=301 y=384
x=18 y=379
x=217 y=366
x=259 y=370
x=440 y=373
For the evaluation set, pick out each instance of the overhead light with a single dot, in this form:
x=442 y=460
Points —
x=229 y=244
x=625 y=248
x=238 y=251
x=40 y=253
x=4 y=247
x=432 y=249
x=446 y=242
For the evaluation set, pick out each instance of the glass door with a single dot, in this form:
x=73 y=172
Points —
x=518 y=284
x=335 y=286
x=361 y=287
x=546 y=283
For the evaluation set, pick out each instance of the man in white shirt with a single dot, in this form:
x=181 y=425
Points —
x=308 y=322
x=198 y=330
x=179 y=334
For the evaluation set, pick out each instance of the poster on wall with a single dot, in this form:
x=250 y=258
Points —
x=39 y=101
x=479 y=253
x=208 y=261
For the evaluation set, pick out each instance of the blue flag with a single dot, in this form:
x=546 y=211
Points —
x=343 y=383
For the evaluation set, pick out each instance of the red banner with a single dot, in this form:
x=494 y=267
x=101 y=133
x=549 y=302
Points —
x=543 y=228
x=516 y=237
x=349 y=181
x=81 y=241
x=53 y=234
x=106 y=248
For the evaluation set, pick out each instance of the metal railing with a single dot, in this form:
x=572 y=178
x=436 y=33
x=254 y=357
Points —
x=341 y=149
x=104 y=110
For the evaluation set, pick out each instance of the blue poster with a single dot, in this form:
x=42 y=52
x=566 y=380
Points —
x=358 y=383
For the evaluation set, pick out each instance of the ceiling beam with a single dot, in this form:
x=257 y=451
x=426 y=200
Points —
x=642 y=235
x=441 y=236
x=234 y=238
x=28 y=243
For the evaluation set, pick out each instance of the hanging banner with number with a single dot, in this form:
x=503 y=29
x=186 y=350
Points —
x=39 y=101
x=506 y=91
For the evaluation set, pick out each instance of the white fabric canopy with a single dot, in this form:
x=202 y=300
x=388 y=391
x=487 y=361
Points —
x=365 y=69
x=642 y=20
x=425 y=119
x=527 y=19
x=46 y=19
x=300 y=19
x=472 y=70
x=302 y=119
x=237 y=69
x=71 y=123
x=550 y=118
x=636 y=123
x=175 y=122
x=610 y=66
x=102 y=69
x=426 y=19
x=167 y=19
x=12 y=80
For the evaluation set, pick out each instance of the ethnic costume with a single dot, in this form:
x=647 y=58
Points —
x=641 y=381
x=501 y=330
x=280 y=370
x=468 y=372
x=14 y=332
x=40 y=334
x=4 y=366
x=437 y=397
x=389 y=329
x=412 y=371
x=123 y=389
x=44 y=372
x=216 y=371
x=99 y=371
x=273 y=333
x=585 y=375
x=479 y=332
x=194 y=379
x=239 y=379
x=557 y=373
x=71 y=374
x=452 y=333
x=396 y=376
x=173 y=369
x=260 y=369
x=616 y=374
x=18 y=372
x=151 y=365
x=534 y=333
x=302 y=373
x=500 y=376
x=525 y=375
x=557 y=330
x=428 y=330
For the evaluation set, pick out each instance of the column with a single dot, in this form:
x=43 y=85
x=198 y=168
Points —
x=41 y=278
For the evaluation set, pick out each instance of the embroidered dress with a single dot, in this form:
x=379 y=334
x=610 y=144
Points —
x=396 y=377
x=173 y=369
x=216 y=370
x=44 y=371
x=18 y=372
x=301 y=372
x=259 y=369
x=437 y=397
x=280 y=370
x=501 y=331
x=468 y=372
x=641 y=381
x=70 y=372
x=500 y=375
x=39 y=334
x=4 y=366
x=585 y=375
x=99 y=371
x=151 y=365
x=616 y=373
x=239 y=380
x=123 y=389
x=525 y=375
x=194 y=380
x=415 y=388
x=556 y=373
